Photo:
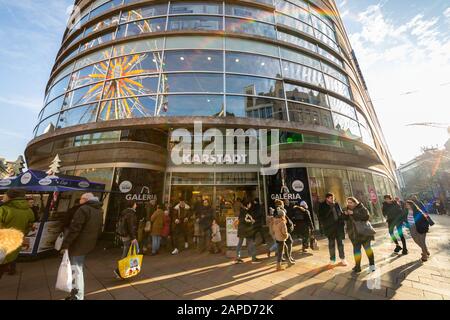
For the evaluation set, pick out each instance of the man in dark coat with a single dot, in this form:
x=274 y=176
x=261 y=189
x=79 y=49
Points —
x=84 y=231
x=246 y=232
x=333 y=224
x=303 y=224
x=256 y=212
x=180 y=225
x=395 y=218
x=206 y=216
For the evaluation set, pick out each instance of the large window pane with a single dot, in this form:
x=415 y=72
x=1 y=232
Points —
x=83 y=95
x=193 y=60
x=334 y=72
x=250 y=27
x=103 y=8
x=134 y=86
x=303 y=94
x=302 y=73
x=58 y=89
x=93 y=58
x=134 y=65
x=346 y=126
x=258 y=47
x=342 y=107
x=322 y=27
x=144 y=12
x=307 y=115
x=194 y=82
x=76 y=116
x=294 y=23
x=53 y=107
x=337 y=86
x=191 y=105
x=194 y=42
x=297 y=41
x=249 y=12
x=154 y=44
x=331 y=57
x=253 y=64
x=293 y=11
x=252 y=107
x=141 y=27
x=97 y=41
x=91 y=74
x=254 y=86
x=101 y=25
x=195 y=23
x=301 y=58
x=47 y=125
x=136 y=107
x=195 y=8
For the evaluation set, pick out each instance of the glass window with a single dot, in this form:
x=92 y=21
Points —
x=235 y=44
x=253 y=64
x=53 y=107
x=194 y=42
x=134 y=86
x=93 y=58
x=83 y=95
x=91 y=74
x=269 y=2
x=297 y=41
x=307 y=95
x=250 y=27
x=249 y=12
x=301 y=73
x=141 y=27
x=144 y=12
x=367 y=136
x=320 y=36
x=135 y=107
x=253 y=107
x=47 y=125
x=101 y=25
x=193 y=82
x=195 y=8
x=134 y=65
x=153 y=44
x=307 y=115
x=191 y=105
x=254 y=86
x=58 y=89
x=294 y=23
x=97 y=41
x=293 y=11
x=337 y=86
x=76 y=116
x=193 y=60
x=331 y=57
x=324 y=28
x=342 y=107
x=195 y=23
x=66 y=71
x=298 y=57
x=336 y=182
x=334 y=73
x=105 y=7
x=346 y=126
x=95 y=138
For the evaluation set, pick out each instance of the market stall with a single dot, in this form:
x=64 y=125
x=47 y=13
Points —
x=51 y=197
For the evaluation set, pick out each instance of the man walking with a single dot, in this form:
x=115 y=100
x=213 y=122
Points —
x=333 y=223
x=205 y=215
x=395 y=217
x=84 y=231
x=180 y=226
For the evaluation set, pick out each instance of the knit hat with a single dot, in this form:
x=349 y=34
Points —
x=15 y=193
x=304 y=204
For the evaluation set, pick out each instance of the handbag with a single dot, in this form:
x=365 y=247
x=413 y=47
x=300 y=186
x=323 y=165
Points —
x=64 y=279
x=314 y=244
x=59 y=241
x=130 y=266
x=364 y=228
x=148 y=226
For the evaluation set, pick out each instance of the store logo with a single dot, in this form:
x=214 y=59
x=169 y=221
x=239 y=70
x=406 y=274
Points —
x=145 y=195
x=226 y=147
x=26 y=178
x=4 y=183
x=45 y=182
x=83 y=184
x=125 y=186
x=298 y=186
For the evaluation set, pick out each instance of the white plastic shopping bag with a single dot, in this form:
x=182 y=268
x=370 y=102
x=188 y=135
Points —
x=64 y=280
x=59 y=241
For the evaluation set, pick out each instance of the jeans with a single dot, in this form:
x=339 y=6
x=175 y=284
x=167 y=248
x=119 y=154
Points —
x=420 y=240
x=78 y=277
x=357 y=252
x=126 y=247
x=400 y=233
x=156 y=244
x=280 y=248
x=204 y=240
x=274 y=246
x=332 y=247
x=250 y=247
x=288 y=244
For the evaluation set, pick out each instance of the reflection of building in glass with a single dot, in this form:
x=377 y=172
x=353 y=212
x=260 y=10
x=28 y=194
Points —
x=128 y=73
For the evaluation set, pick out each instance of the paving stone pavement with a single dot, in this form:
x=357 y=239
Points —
x=192 y=276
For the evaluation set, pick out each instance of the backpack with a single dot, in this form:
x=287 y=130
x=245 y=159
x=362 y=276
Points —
x=290 y=225
x=121 y=226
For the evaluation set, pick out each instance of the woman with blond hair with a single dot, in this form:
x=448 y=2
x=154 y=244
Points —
x=10 y=241
x=360 y=232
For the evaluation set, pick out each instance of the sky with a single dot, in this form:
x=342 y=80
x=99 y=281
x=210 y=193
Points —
x=403 y=48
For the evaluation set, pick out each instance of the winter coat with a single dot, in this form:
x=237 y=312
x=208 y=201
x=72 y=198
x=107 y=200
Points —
x=131 y=223
x=245 y=228
x=302 y=220
x=166 y=226
x=269 y=221
x=330 y=227
x=206 y=215
x=257 y=215
x=421 y=222
x=215 y=233
x=393 y=213
x=360 y=213
x=10 y=241
x=84 y=230
x=16 y=214
x=280 y=229
x=157 y=220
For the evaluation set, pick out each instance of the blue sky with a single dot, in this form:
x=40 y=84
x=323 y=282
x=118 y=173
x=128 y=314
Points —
x=403 y=48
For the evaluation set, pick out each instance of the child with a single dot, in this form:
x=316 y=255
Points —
x=216 y=238
x=280 y=231
x=197 y=232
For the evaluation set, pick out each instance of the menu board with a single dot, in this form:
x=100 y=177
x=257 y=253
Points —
x=232 y=231
x=49 y=235
x=30 y=239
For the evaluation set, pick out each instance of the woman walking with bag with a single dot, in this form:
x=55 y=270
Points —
x=419 y=226
x=360 y=232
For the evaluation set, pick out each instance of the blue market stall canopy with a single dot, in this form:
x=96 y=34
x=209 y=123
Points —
x=39 y=181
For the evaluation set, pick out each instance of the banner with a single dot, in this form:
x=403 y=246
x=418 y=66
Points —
x=291 y=185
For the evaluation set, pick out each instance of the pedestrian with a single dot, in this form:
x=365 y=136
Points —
x=206 y=216
x=418 y=225
x=180 y=225
x=400 y=202
x=197 y=231
x=246 y=232
x=357 y=212
x=395 y=218
x=303 y=224
x=216 y=237
x=281 y=235
x=269 y=220
x=165 y=234
x=157 y=220
x=15 y=213
x=289 y=242
x=10 y=241
x=256 y=212
x=84 y=231
x=419 y=203
x=333 y=224
x=150 y=208
x=127 y=228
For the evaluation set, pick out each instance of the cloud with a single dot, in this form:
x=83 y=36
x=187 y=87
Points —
x=447 y=13
x=33 y=105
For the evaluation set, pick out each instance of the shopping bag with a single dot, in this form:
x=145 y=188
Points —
x=64 y=280
x=130 y=266
x=59 y=241
x=314 y=244
x=148 y=226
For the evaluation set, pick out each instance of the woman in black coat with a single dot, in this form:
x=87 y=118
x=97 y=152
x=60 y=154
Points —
x=357 y=212
x=246 y=232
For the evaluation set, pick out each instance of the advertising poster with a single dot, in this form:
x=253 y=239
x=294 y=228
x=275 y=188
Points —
x=30 y=239
x=232 y=231
x=50 y=232
x=291 y=185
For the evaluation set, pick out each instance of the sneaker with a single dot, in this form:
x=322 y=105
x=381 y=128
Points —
x=291 y=262
x=186 y=245
x=405 y=252
x=372 y=268
x=332 y=262
x=398 y=249
x=238 y=261
x=344 y=262
x=256 y=260
x=175 y=251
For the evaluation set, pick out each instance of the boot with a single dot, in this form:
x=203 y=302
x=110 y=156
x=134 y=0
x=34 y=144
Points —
x=398 y=249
